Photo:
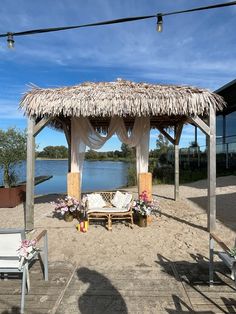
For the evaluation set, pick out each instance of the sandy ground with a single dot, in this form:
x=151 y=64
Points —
x=178 y=231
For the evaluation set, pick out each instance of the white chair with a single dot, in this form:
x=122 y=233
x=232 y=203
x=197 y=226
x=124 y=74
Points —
x=10 y=240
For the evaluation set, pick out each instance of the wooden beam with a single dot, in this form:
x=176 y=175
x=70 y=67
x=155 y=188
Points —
x=220 y=242
x=145 y=184
x=40 y=125
x=73 y=185
x=176 y=192
x=30 y=165
x=178 y=131
x=170 y=138
x=67 y=132
x=200 y=124
x=211 y=164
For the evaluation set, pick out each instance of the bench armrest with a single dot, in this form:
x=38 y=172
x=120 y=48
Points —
x=42 y=234
x=220 y=242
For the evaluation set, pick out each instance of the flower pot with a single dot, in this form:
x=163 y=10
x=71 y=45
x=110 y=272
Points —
x=142 y=221
x=68 y=217
x=76 y=214
x=11 y=197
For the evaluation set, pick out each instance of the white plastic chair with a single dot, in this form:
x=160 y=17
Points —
x=10 y=240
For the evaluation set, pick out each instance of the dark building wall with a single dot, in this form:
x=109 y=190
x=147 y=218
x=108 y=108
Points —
x=226 y=119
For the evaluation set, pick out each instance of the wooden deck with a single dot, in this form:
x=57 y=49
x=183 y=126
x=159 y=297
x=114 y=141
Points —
x=38 y=180
x=167 y=287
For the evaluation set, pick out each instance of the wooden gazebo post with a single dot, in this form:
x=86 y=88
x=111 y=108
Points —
x=175 y=141
x=73 y=177
x=34 y=128
x=210 y=131
x=30 y=165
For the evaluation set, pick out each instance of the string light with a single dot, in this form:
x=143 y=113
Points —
x=159 y=17
x=10 y=41
x=159 y=23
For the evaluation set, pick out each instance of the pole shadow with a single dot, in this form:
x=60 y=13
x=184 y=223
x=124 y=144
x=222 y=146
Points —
x=194 y=276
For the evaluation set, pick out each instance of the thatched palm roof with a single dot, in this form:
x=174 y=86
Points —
x=165 y=104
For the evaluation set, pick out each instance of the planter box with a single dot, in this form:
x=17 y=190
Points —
x=11 y=197
x=144 y=221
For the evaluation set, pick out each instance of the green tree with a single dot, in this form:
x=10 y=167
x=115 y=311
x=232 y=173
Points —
x=127 y=152
x=53 y=152
x=162 y=144
x=91 y=154
x=13 y=146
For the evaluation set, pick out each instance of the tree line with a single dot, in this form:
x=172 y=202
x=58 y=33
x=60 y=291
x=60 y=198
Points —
x=125 y=152
x=61 y=152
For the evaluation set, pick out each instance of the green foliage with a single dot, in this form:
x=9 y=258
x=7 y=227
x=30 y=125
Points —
x=160 y=152
x=13 y=145
x=132 y=177
x=127 y=152
x=61 y=152
x=232 y=252
x=162 y=144
x=91 y=155
x=57 y=152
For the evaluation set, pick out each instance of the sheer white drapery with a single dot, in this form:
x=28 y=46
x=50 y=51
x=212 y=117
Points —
x=83 y=134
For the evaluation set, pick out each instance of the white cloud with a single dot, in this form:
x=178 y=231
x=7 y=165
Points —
x=9 y=110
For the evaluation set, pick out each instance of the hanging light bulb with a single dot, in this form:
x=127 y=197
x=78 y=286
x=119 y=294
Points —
x=159 y=23
x=10 y=40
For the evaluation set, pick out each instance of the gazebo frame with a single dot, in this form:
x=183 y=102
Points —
x=37 y=123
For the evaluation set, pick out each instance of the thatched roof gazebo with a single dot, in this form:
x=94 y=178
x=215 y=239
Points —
x=89 y=109
x=98 y=107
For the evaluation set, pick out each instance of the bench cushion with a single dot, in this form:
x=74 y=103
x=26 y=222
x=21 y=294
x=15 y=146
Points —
x=108 y=210
x=121 y=199
x=95 y=200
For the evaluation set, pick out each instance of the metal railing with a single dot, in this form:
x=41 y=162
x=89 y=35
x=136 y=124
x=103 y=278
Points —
x=197 y=156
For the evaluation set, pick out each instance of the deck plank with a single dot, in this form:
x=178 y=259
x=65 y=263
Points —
x=171 y=287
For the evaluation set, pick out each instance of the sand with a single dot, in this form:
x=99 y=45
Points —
x=177 y=233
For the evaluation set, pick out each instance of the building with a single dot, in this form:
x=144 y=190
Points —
x=226 y=127
x=226 y=119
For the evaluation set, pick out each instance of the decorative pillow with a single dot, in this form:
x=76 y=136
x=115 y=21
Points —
x=95 y=200
x=121 y=199
x=128 y=198
x=118 y=199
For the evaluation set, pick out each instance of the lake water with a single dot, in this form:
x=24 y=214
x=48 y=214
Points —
x=97 y=175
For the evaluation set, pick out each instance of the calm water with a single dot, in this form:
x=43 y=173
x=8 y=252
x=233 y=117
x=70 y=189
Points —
x=97 y=175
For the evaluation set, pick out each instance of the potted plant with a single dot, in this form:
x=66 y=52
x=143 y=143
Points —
x=67 y=208
x=142 y=208
x=13 y=144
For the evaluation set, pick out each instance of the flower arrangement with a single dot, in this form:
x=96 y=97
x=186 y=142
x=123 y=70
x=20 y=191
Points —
x=67 y=205
x=143 y=206
x=26 y=251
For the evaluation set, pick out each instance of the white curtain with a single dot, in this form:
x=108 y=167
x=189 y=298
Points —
x=83 y=134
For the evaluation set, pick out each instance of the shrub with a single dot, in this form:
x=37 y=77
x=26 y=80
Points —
x=13 y=145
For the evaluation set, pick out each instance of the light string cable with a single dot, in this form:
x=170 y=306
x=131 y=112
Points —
x=10 y=35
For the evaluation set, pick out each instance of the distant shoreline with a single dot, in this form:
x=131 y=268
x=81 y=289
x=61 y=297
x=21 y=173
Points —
x=42 y=158
x=110 y=159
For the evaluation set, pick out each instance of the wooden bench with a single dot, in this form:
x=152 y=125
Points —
x=110 y=212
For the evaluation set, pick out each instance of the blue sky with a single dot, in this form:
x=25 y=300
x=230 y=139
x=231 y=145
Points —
x=194 y=49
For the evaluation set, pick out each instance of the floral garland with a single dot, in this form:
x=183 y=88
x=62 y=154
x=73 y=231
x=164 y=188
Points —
x=62 y=206
x=26 y=251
